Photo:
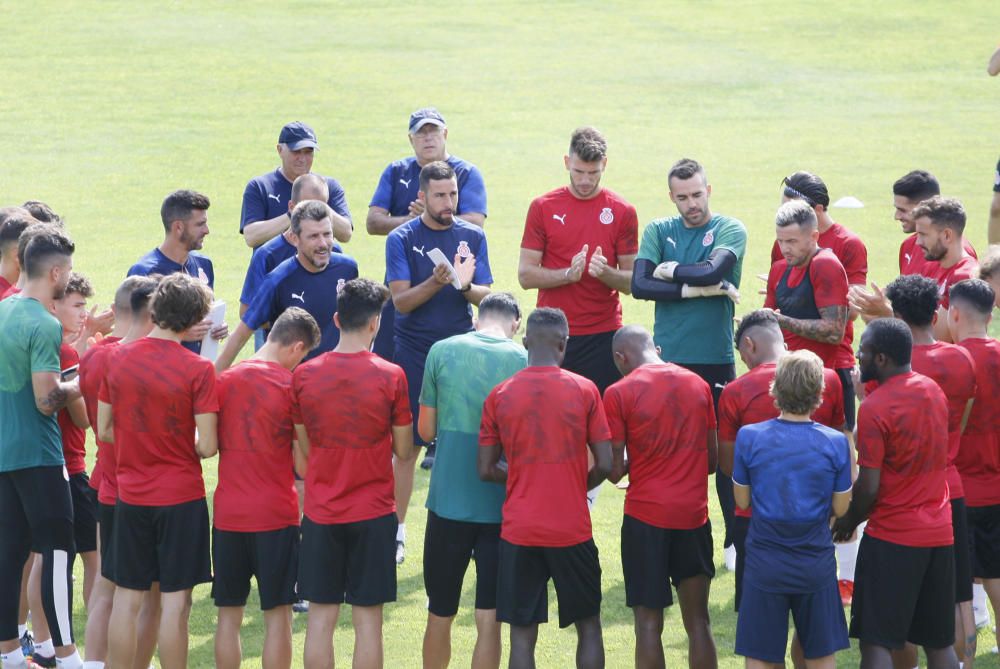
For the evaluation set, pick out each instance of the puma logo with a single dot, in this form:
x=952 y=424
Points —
x=301 y=297
x=720 y=385
x=671 y=240
x=561 y=219
x=277 y=198
x=420 y=250
x=406 y=184
x=907 y=256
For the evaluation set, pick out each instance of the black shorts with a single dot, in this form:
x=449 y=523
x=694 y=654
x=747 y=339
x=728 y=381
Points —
x=903 y=594
x=984 y=535
x=653 y=558
x=106 y=526
x=590 y=356
x=448 y=547
x=524 y=573
x=169 y=544
x=741 y=525
x=84 y=512
x=963 y=551
x=273 y=557
x=349 y=562
x=847 y=383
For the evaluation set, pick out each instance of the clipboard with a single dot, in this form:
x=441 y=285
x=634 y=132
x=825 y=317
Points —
x=438 y=258
x=209 y=346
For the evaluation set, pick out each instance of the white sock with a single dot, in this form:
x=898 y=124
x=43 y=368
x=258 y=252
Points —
x=401 y=533
x=73 y=661
x=45 y=648
x=93 y=664
x=22 y=630
x=13 y=660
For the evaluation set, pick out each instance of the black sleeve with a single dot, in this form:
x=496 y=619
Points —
x=709 y=272
x=645 y=287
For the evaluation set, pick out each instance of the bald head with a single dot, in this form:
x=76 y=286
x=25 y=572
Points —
x=309 y=187
x=633 y=347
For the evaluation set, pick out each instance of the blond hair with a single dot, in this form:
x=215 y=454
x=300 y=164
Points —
x=798 y=383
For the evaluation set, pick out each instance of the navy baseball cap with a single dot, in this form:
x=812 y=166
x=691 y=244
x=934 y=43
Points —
x=297 y=135
x=422 y=117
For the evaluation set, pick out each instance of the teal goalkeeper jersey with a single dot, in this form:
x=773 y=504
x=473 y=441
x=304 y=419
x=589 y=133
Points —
x=696 y=330
x=460 y=372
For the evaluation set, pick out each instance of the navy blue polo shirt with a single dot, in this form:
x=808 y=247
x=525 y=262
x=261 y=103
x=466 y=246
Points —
x=267 y=197
x=400 y=182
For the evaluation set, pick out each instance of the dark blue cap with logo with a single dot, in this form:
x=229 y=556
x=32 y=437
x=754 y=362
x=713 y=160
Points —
x=297 y=135
x=422 y=117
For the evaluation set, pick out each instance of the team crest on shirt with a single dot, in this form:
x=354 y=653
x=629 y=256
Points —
x=202 y=276
x=708 y=238
x=340 y=285
x=607 y=216
x=463 y=249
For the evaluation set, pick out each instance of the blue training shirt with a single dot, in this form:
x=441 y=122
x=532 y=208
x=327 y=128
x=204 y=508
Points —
x=792 y=469
x=292 y=285
x=448 y=312
x=400 y=182
x=196 y=265
x=267 y=197
x=265 y=258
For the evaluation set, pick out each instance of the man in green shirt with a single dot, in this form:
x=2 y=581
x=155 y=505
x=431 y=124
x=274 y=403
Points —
x=690 y=265
x=463 y=512
x=34 y=489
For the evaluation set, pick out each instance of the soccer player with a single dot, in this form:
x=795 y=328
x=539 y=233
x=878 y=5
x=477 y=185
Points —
x=266 y=213
x=690 y=265
x=347 y=552
x=428 y=305
x=184 y=214
x=666 y=536
x=255 y=525
x=904 y=588
x=22 y=245
x=578 y=249
x=796 y=472
x=34 y=494
x=310 y=280
x=807 y=288
x=158 y=407
x=545 y=420
x=989 y=271
x=463 y=512
x=748 y=400
x=13 y=224
x=396 y=198
x=914 y=300
x=978 y=459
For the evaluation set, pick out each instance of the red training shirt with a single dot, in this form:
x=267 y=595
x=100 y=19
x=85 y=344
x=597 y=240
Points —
x=256 y=490
x=4 y=285
x=74 y=438
x=559 y=224
x=544 y=418
x=12 y=290
x=668 y=461
x=911 y=256
x=979 y=454
x=93 y=370
x=902 y=431
x=349 y=403
x=155 y=388
x=946 y=277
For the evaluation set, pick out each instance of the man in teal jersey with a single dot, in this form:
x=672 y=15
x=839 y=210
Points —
x=690 y=265
x=34 y=488
x=463 y=512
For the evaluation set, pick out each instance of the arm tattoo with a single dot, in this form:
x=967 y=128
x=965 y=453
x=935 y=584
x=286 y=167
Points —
x=828 y=328
x=56 y=399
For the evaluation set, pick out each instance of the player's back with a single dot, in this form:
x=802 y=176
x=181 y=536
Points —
x=978 y=458
x=93 y=371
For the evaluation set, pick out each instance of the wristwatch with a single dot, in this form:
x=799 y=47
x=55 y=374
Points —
x=466 y=289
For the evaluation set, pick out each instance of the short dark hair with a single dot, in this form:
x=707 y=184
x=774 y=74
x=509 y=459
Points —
x=80 y=285
x=142 y=293
x=500 y=304
x=358 y=301
x=305 y=180
x=179 y=302
x=914 y=299
x=178 y=206
x=796 y=212
x=684 y=169
x=807 y=186
x=548 y=318
x=45 y=243
x=42 y=212
x=942 y=211
x=916 y=186
x=974 y=292
x=124 y=292
x=755 y=319
x=295 y=324
x=436 y=171
x=892 y=338
x=12 y=227
x=312 y=210
x=588 y=144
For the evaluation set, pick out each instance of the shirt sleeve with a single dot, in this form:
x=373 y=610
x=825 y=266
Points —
x=204 y=396
x=835 y=395
x=776 y=253
x=44 y=346
x=613 y=412
x=254 y=205
x=855 y=261
x=262 y=306
x=428 y=389
x=597 y=422
x=729 y=414
x=773 y=277
x=383 y=191
x=627 y=243
x=732 y=236
x=472 y=193
x=401 y=413
x=650 y=248
x=711 y=422
x=397 y=265
x=843 y=480
x=255 y=276
x=741 y=468
x=489 y=432
x=338 y=199
x=872 y=437
x=829 y=281
x=534 y=228
x=483 y=276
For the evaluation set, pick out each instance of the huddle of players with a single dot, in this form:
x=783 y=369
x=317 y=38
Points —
x=545 y=528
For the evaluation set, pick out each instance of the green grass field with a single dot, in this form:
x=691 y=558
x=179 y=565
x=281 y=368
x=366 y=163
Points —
x=106 y=107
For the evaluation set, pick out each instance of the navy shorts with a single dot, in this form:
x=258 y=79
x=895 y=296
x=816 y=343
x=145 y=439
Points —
x=762 y=624
x=412 y=363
